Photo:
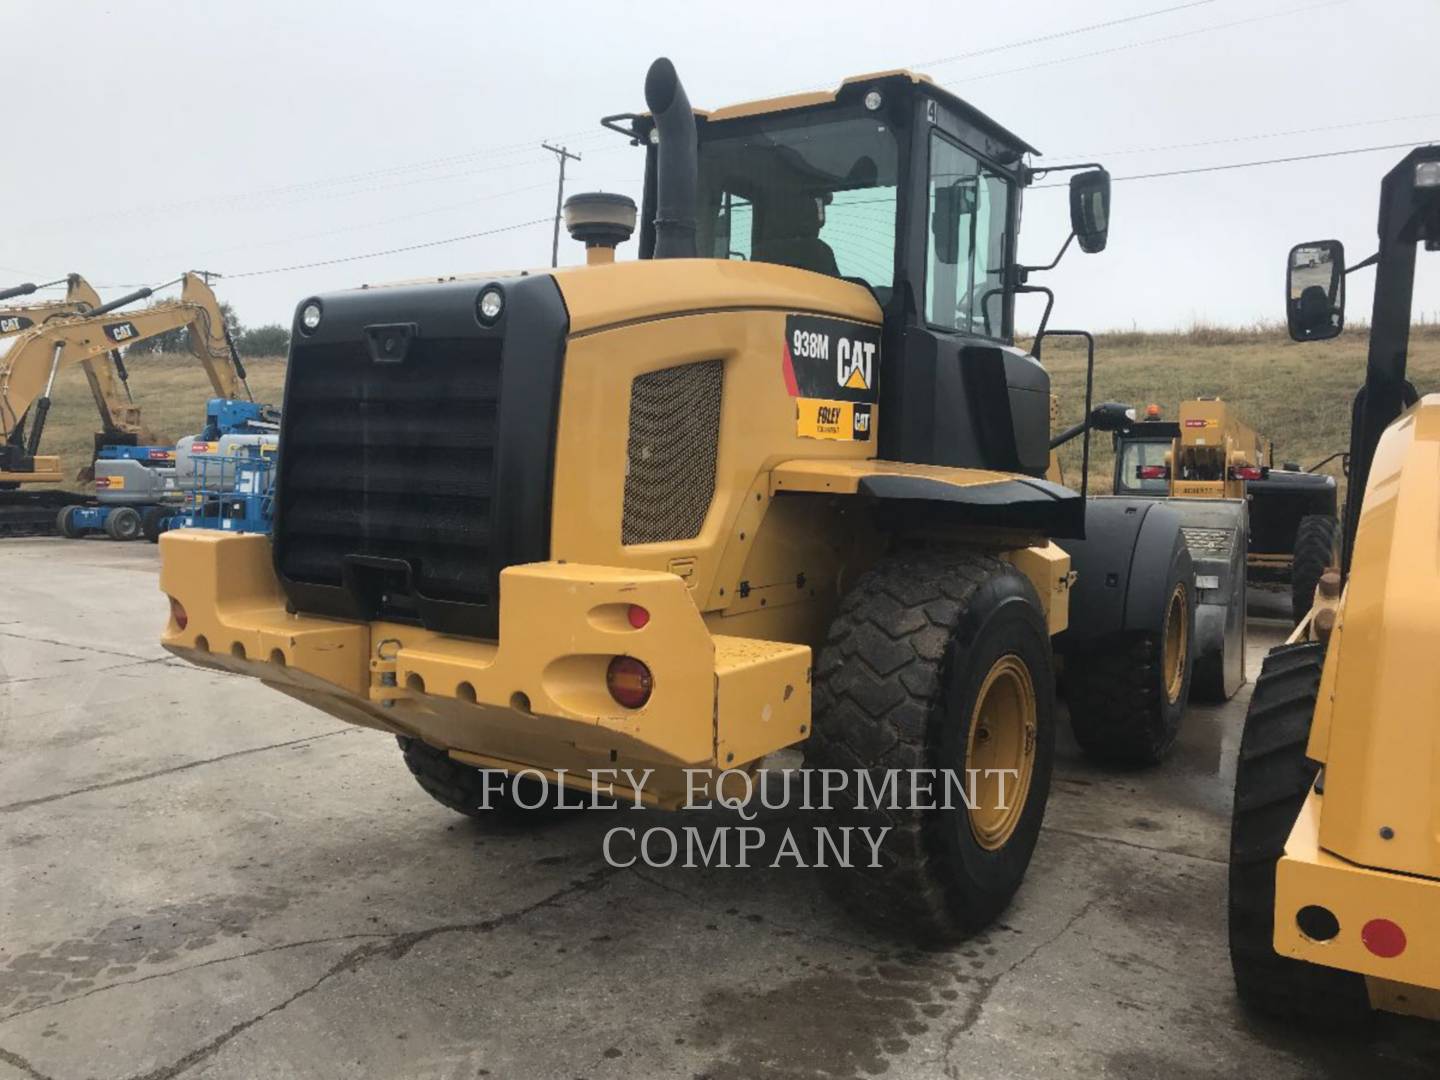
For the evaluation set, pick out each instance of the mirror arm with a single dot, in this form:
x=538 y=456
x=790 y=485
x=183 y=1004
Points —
x=1022 y=271
x=1068 y=434
x=1363 y=263
x=1035 y=174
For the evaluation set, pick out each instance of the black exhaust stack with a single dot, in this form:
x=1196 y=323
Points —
x=677 y=163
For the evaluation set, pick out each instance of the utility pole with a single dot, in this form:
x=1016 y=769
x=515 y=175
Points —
x=562 y=153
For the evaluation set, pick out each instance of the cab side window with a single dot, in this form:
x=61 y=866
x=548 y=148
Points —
x=968 y=241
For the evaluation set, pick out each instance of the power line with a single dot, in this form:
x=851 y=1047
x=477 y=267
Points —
x=1099 y=154
x=1252 y=164
x=1061 y=34
x=392 y=251
x=1150 y=41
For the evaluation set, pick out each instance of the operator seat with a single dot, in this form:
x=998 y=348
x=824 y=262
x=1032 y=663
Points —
x=792 y=235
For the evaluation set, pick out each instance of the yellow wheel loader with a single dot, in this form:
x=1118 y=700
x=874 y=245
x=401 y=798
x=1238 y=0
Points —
x=17 y=318
x=1335 y=849
x=93 y=339
x=779 y=482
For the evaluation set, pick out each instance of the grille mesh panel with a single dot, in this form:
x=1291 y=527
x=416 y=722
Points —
x=1208 y=543
x=393 y=461
x=674 y=435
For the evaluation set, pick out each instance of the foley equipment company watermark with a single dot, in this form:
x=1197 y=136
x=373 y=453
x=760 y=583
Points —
x=739 y=840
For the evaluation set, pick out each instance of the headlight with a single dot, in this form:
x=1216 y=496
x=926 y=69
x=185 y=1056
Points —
x=489 y=305
x=1427 y=174
x=310 y=316
x=873 y=100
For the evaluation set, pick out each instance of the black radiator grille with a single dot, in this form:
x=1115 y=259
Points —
x=392 y=461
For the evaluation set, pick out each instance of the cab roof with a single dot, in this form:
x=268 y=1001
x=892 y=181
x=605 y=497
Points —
x=924 y=83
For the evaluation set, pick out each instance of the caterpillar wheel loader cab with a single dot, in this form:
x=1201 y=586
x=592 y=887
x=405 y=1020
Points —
x=16 y=318
x=93 y=339
x=1335 y=853
x=778 y=482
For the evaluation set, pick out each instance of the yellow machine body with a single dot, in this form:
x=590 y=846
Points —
x=1367 y=844
x=1212 y=443
x=733 y=613
x=80 y=297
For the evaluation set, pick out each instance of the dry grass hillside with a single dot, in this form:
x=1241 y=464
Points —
x=171 y=390
x=1299 y=395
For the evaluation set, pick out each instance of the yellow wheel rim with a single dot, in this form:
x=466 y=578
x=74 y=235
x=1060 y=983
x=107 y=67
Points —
x=1001 y=751
x=1177 y=640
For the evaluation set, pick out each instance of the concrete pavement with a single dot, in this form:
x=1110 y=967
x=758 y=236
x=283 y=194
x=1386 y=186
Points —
x=202 y=878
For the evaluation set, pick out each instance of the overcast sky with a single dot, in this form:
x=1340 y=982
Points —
x=152 y=136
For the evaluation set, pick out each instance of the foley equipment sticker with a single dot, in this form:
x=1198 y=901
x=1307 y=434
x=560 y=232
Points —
x=831 y=368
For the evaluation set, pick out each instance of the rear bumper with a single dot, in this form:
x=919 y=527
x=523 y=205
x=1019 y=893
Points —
x=1355 y=895
x=534 y=698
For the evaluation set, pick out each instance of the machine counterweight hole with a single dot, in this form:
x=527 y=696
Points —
x=1317 y=923
x=202 y=643
x=466 y=693
x=277 y=657
x=237 y=650
x=414 y=683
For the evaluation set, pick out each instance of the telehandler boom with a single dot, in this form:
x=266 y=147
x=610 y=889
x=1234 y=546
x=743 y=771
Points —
x=781 y=481
x=1335 y=850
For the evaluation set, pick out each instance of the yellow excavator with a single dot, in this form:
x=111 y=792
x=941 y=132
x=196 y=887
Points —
x=1335 y=844
x=93 y=339
x=80 y=297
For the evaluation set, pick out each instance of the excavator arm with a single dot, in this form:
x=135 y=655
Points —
x=17 y=318
x=93 y=340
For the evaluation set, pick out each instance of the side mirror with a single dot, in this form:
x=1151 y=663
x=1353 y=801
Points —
x=952 y=203
x=1111 y=416
x=1090 y=209
x=1315 y=290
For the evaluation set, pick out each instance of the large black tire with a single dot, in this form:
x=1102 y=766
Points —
x=460 y=787
x=1127 y=693
x=151 y=521
x=897 y=687
x=1317 y=540
x=65 y=523
x=123 y=523
x=1272 y=778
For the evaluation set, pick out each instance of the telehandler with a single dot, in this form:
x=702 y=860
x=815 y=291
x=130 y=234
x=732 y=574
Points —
x=16 y=318
x=93 y=339
x=1291 y=526
x=779 y=481
x=1335 y=850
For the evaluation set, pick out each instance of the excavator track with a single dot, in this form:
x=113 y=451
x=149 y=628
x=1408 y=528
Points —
x=33 y=513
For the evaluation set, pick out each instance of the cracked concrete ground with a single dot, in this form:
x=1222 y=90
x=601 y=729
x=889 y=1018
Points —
x=202 y=878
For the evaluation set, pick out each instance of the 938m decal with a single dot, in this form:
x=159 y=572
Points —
x=831 y=368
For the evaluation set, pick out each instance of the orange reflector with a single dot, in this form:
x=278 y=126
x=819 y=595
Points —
x=638 y=616
x=1245 y=472
x=1383 y=938
x=629 y=681
x=177 y=612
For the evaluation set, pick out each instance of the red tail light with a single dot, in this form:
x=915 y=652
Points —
x=638 y=616
x=629 y=682
x=1246 y=472
x=177 y=612
x=1152 y=472
x=1383 y=938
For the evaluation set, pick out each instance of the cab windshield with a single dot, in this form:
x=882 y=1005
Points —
x=811 y=190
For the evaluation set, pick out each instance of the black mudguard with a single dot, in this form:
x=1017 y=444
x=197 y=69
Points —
x=1125 y=569
x=1216 y=532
